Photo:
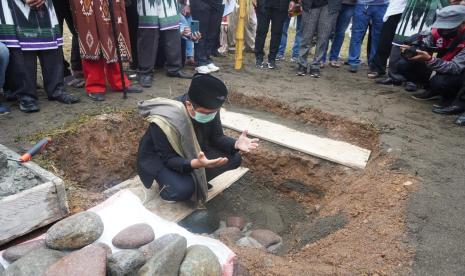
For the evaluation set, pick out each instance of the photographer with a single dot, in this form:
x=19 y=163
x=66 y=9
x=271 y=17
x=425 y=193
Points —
x=447 y=38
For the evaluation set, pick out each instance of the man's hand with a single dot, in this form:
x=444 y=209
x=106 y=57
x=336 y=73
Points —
x=186 y=31
x=196 y=36
x=421 y=56
x=186 y=10
x=35 y=3
x=245 y=144
x=203 y=162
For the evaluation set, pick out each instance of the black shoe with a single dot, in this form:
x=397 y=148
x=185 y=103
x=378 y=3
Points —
x=180 y=74
x=315 y=73
x=410 y=87
x=426 y=95
x=134 y=89
x=460 y=120
x=301 y=70
x=145 y=80
x=272 y=64
x=28 y=104
x=388 y=81
x=98 y=97
x=449 y=110
x=259 y=63
x=65 y=98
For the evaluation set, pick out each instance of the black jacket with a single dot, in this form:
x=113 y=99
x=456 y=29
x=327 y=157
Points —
x=155 y=151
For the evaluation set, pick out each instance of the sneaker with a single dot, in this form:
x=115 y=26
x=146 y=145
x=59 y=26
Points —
x=314 y=73
x=202 y=69
x=259 y=63
x=353 y=68
x=410 y=87
x=301 y=70
x=373 y=75
x=272 y=64
x=4 y=109
x=294 y=59
x=279 y=57
x=426 y=95
x=213 y=68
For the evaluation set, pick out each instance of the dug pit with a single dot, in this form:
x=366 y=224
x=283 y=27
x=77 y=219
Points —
x=332 y=219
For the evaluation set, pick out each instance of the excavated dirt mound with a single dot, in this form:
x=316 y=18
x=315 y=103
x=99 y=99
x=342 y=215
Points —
x=335 y=220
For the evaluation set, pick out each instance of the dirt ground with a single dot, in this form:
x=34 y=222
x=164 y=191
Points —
x=386 y=230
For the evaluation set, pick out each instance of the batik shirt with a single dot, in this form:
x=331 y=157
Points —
x=29 y=28
x=158 y=14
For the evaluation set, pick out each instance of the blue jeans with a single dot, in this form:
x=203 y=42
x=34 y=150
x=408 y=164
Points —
x=342 y=23
x=363 y=15
x=4 y=58
x=297 y=40
x=189 y=43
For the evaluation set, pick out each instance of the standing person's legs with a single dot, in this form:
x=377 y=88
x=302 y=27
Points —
x=394 y=57
x=51 y=62
x=388 y=31
x=250 y=30
x=309 y=25
x=277 y=21
x=76 y=64
x=376 y=13
x=171 y=43
x=213 y=33
x=94 y=73
x=359 y=28
x=201 y=11
x=283 y=43
x=4 y=59
x=342 y=23
x=263 y=24
x=325 y=25
x=298 y=37
x=147 y=44
x=133 y=26
x=113 y=76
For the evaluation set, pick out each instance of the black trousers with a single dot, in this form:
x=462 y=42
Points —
x=209 y=26
x=161 y=59
x=385 y=44
x=175 y=186
x=264 y=17
x=23 y=66
x=133 y=26
x=148 y=43
x=63 y=11
x=446 y=85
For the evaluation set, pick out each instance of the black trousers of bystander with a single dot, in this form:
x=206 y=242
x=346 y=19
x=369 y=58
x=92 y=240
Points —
x=264 y=17
x=63 y=12
x=133 y=25
x=148 y=42
x=175 y=186
x=23 y=66
x=385 y=44
x=209 y=18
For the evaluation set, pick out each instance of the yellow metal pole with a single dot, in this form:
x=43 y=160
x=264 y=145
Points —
x=240 y=34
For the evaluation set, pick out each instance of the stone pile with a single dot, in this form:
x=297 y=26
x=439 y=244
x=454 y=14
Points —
x=70 y=249
x=236 y=230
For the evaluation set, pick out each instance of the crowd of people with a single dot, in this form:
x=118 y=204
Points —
x=417 y=44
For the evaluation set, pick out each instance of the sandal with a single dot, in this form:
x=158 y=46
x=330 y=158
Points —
x=335 y=64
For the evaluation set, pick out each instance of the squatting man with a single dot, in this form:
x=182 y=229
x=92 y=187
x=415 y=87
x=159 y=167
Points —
x=185 y=146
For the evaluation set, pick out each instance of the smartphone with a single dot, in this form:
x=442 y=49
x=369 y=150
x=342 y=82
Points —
x=397 y=44
x=195 y=26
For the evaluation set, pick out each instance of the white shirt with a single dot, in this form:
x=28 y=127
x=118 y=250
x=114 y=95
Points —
x=395 y=7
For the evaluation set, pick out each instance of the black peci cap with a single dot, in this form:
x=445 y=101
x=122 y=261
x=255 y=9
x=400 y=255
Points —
x=207 y=91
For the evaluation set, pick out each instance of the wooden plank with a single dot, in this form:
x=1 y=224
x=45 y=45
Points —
x=179 y=210
x=28 y=210
x=332 y=150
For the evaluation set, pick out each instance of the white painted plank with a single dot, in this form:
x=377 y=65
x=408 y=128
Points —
x=328 y=149
x=179 y=210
